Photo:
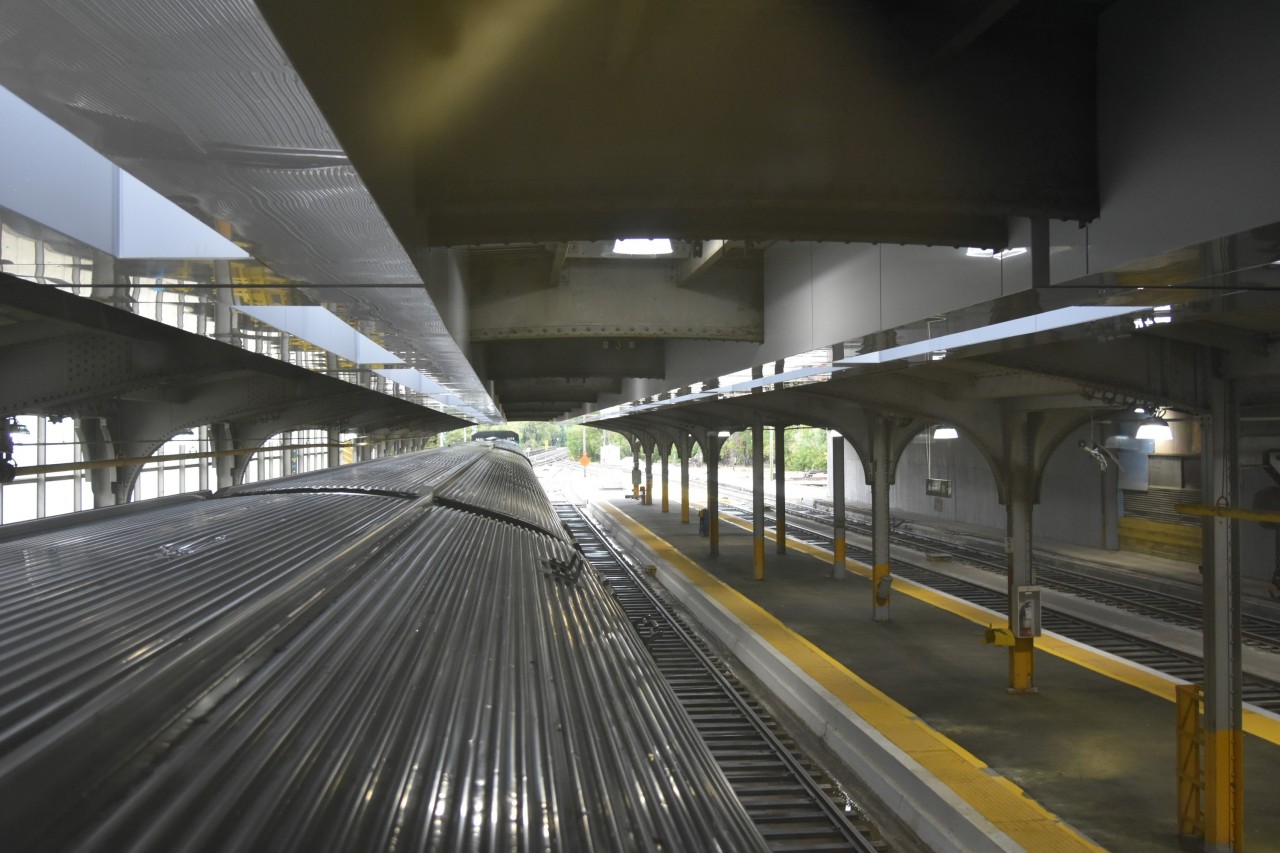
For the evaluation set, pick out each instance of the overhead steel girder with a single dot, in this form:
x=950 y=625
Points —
x=509 y=300
x=576 y=359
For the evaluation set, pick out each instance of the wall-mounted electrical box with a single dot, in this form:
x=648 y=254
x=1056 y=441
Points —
x=1026 y=621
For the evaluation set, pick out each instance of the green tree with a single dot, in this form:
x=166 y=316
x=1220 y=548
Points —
x=806 y=449
x=537 y=435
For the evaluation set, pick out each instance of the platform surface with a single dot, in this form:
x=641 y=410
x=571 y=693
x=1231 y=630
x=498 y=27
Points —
x=1094 y=747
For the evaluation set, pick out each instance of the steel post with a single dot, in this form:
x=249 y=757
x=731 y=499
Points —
x=780 y=488
x=881 y=579
x=713 y=492
x=685 y=448
x=648 y=474
x=1019 y=474
x=1223 y=742
x=837 y=507
x=757 y=498
x=666 y=479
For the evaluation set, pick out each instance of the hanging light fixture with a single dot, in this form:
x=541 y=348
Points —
x=642 y=246
x=942 y=433
x=1155 y=427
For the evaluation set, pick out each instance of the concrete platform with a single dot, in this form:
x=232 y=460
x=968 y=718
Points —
x=1085 y=764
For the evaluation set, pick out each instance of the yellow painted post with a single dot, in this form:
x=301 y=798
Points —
x=1218 y=809
x=1190 y=773
x=1237 y=783
x=880 y=590
x=1022 y=665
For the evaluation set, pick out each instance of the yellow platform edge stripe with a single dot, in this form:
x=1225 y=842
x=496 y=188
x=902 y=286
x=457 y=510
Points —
x=996 y=798
x=1258 y=725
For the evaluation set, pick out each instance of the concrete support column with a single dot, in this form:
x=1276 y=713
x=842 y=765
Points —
x=837 y=507
x=228 y=468
x=881 y=476
x=95 y=443
x=223 y=299
x=335 y=452
x=363 y=450
x=780 y=488
x=757 y=498
x=1223 y=715
x=1021 y=572
x=648 y=474
x=684 y=447
x=666 y=479
x=1111 y=507
x=713 y=491
x=635 y=468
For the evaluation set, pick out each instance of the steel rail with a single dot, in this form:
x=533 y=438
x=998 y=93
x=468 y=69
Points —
x=1260 y=692
x=778 y=790
x=1132 y=596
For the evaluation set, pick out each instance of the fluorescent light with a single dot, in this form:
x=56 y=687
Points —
x=724 y=433
x=1056 y=319
x=322 y=328
x=1155 y=428
x=642 y=246
x=943 y=433
x=992 y=253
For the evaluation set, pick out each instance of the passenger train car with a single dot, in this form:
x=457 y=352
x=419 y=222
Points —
x=405 y=654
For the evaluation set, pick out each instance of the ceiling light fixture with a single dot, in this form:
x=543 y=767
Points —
x=642 y=246
x=943 y=433
x=1156 y=428
x=972 y=252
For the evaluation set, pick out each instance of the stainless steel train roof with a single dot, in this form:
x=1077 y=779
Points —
x=336 y=671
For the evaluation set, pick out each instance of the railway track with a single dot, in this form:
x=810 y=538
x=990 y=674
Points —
x=793 y=804
x=1260 y=692
x=1185 y=610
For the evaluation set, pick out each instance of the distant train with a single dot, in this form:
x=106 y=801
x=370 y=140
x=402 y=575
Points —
x=496 y=435
x=406 y=654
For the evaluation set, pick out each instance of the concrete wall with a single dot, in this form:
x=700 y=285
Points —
x=1070 y=508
